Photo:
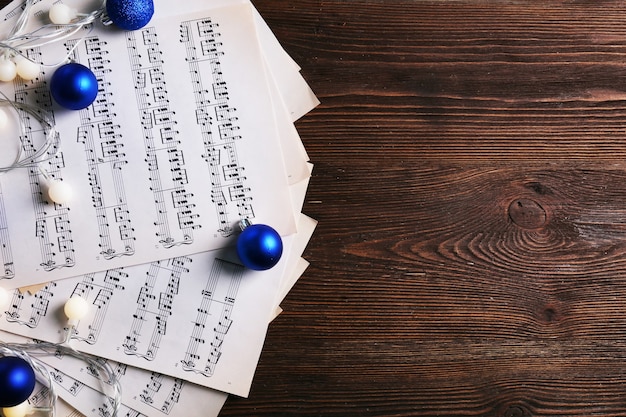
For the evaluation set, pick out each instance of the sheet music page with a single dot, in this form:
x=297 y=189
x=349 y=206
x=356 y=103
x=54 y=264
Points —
x=146 y=393
x=150 y=393
x=295 y=92
x=197 y=318
x=180 y=145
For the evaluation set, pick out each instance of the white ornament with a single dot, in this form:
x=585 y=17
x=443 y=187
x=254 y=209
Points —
x=76 y=308
x=61 y=14
x=19 y=410
x=4 y=119
x=27 y=69
x=60 y=192
x=8 y=70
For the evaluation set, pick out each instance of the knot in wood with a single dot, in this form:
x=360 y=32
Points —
x=527 y=213
x=515 y=411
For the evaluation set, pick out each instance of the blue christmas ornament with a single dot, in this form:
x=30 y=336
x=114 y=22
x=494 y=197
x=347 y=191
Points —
x=17 y=381
x=130 y=14
x=259 y=247
x=74 y=86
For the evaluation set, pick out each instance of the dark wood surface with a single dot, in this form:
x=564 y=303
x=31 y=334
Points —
x=470 y=188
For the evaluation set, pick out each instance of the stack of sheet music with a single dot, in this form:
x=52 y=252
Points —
x=192 y=131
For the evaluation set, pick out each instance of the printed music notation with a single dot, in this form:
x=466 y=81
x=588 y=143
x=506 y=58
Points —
x=161 y=141
x=215 y=301
x=51 y=221
x=6 y=255
x=174 y=317
x=30 y=314
x=147 y=393
x=156 y=386
x=163 y=164
x=143 y=392
x=211 y=300
x=69 y=385
x=160 y=395
x=154 y=307
x=100 y=134
x=193 y=354
x=214 y=114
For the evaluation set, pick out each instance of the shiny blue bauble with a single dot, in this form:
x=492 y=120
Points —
x=17 y=381
x=73 y=86
x=130 y=14
x=259 y=247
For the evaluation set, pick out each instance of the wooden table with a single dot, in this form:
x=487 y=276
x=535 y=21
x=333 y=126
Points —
x=470 y=188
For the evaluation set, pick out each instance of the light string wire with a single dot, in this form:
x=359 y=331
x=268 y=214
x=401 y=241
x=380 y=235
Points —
x=43 y=153
x=10 y=47
x=105 y=374
x=42 y=374
x=48 y=33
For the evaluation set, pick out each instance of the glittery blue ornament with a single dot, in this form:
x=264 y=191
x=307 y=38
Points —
x=74 y=86
x=259 y=247
x=130 y=14
x=17 y=381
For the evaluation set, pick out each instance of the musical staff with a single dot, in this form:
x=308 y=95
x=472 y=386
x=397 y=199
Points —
x=31 y=314
x=160 y=152
x=154 y=307
x=6 y=255
x=99 y=294
x=162 y=393
x=162 y=143
x=56 y=245
x=210 y=298
x=69 y=385
x=104 y=151
x=164 y=162
x=217 y=121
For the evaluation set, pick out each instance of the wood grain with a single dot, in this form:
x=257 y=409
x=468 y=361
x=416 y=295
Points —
x=469 y=171
x=470 y=188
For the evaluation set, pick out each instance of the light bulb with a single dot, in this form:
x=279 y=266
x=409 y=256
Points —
x=20 y=410
x=8 y=70
x=60 y=192
x=61 y=14
x=4 y=119
x=27 y=69
x=76 y=308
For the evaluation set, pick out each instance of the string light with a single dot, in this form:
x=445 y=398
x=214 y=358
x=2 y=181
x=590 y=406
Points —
x=65 y=22
x=19 y=363
x=19 y=369
x=109 y=382
x=58 y=191
x=20 y=366
x=49 y=147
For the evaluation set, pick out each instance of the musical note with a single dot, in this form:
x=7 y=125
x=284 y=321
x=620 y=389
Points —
x=102 y=139
x=151 y=176
x=154 y=307
x=6 y=254
x=161 y=142
x=203 y=39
